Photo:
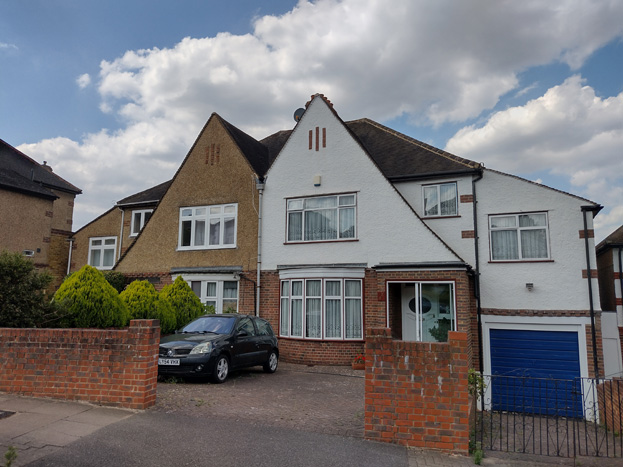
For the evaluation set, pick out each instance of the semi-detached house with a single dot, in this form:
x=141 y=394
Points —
x=353 y=225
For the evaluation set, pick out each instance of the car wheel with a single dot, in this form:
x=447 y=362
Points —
x=221 y=370
x=271 y=364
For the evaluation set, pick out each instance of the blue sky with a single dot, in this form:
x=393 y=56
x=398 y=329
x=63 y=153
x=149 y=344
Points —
x=531 y=88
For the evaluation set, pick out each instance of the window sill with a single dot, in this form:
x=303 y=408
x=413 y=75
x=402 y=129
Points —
x=439 y=217
x=228 y=247
x=307 y=339
x=322 y=241
x=522 y=261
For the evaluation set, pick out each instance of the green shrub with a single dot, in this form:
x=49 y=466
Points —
x=23 y=301
x=87 y=300
x=186 y=305
x=143 y=302
x=116 y=279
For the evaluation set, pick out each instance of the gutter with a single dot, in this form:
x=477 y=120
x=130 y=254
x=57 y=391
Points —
x=594 y=210
x=413 y=177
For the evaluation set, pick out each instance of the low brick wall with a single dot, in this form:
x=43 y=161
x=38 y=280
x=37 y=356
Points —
x=416 y=393
x=110 y=367
x=610 y=397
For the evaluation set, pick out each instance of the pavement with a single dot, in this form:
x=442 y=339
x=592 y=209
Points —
x=253 y=420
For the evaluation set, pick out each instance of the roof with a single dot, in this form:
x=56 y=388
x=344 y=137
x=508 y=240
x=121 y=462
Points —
x=255 y=152
x=615 y=239
x=151 y=195
x=19 y=172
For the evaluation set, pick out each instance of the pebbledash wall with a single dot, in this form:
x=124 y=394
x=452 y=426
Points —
x=416 y=393
x=109 y=367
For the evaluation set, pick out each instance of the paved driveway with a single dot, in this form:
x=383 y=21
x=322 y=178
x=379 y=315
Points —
x=326 y=400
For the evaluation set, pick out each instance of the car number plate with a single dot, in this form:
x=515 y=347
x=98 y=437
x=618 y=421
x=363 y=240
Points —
x=169 y=361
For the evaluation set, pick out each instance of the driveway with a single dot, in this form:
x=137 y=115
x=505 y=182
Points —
x=329 y=401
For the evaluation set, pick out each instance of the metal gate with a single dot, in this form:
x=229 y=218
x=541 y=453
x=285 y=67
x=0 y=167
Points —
x=552 y=417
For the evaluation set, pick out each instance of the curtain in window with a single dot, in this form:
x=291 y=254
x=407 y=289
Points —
x=296 y=323
x=533 y=244
x=215 y=231
x=321 y=225
x=200 y=232
x=333 y=309
x=504 y=244
x=295 y=226
x=230 y=229
x=347 y=223
x=285 y=309
x=352 y=309
x=313 y=305
x=95 y=258
x=211 y=289
x=109 y=258
x=431 y=201
x=448 y=199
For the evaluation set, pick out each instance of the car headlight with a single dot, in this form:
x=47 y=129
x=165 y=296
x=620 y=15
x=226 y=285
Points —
x=205 y=347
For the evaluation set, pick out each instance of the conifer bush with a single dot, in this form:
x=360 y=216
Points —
x=87 y=300
x=186 y=305
x=143 y=302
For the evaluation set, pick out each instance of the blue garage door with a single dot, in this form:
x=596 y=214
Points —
x=536 y=372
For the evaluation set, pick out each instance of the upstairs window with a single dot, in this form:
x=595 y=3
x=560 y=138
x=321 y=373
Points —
x=139 y=219
x=322 y=218
x=102 y=252
x=440 y=200
x=208 y=227
x=517 y=237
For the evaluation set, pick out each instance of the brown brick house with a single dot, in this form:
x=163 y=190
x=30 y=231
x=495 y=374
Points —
x=36 y=208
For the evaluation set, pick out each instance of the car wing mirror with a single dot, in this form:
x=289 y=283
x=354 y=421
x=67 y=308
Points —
x=242 y=333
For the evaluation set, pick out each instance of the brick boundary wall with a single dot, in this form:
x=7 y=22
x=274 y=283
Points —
x=416 y=393
x=103 y=366
x=610 y=397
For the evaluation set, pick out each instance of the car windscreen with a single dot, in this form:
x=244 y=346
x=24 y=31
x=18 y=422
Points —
x=215 y=324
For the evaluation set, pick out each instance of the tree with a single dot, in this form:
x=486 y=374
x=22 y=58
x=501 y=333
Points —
x=23 y=300
x=143 y=302
x=186 y=305
x=87 y=300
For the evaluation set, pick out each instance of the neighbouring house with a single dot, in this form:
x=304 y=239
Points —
x=353 y=225
x=36 y=208
x=610 y=265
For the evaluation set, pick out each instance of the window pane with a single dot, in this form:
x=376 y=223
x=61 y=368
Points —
x=297 y=288
x=200 y=212
x=295 y=204
x=230 y=230
x=295 y=226
x=313 y=289
x=448 y=199
x=501 y=222
x=186 y=226
x=211 y=289
x=312 y=318
x=96 y=242
x=533 y=244
x=230 y=289
x=229 y=209
x=347 y=200
x=504 y=244
x=352 y=288
x=297 y=317
x=230 y=306
x=200 y=232
x=319 y=203
x=333 y=317
x=285 y=315
x=196 y=286
x=332 y=288
x=347 y=223
x=215 y=231
x=187 y=212
x=147 y=217
x=353 y=318
x=321 y=225
x=431 y=201
x=136 y=222
x=109 y=258
x=285 y=288
x=95 y=258
x=110 y=241
x=532 y=220
x=215 y=210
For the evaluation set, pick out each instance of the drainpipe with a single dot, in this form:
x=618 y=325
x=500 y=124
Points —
x=586 y=209
x=477 y=271
x=120 y=233
x=259 y=184
x=71 y=247
x=620 y=323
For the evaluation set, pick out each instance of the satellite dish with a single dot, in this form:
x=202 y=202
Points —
x=298 y=114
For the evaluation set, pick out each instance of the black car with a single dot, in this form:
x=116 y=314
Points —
x=212 y=345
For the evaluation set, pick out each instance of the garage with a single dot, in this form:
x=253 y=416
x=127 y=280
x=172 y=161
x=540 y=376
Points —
x=535 y=371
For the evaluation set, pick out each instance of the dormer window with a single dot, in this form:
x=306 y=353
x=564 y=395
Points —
x=440 y=200
x=139 y=219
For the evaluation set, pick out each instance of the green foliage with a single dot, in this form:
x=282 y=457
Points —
x=143 y=302
x=116 y=279
x=475 y=382
x=186 y=305
x=10 y=456
x=89 y=301
x=22 y=292
x=440 y=332
x=209 y=309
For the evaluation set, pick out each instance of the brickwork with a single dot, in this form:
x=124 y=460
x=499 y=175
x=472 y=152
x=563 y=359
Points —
x=416 y=393
x=600 y=349
x=610 y=397
x=110 y=367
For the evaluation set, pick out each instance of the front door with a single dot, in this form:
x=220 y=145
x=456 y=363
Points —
x=409 y=313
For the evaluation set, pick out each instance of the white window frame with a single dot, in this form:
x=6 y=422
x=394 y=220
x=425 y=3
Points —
x=102 y=246
x=205 y=214
x=142 y=214
x=287 y=299
x=341 y=206
x=219 y=297
x=519 y=229
x=438 y=186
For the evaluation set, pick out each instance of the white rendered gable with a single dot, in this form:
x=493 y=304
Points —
x=322 y=152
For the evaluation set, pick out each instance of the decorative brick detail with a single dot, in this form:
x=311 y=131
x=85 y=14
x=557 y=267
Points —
x=213 y=153
x=468 y=234
x=466 y=198
x=618 y=301
x=47 y=239
x=591 y=233
x=49 y=214
x=416 y=393
x=110 y=367
x=593 y=274
x=70 y=203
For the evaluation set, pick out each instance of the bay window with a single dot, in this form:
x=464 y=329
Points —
x=328 y=309
x=517 y=237
x=321 y=218
x=208 y=227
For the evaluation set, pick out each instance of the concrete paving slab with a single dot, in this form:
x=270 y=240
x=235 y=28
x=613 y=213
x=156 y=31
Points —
x=47 y=436
x=23 y=422
x=101 y=416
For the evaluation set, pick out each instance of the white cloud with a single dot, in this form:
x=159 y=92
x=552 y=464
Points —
x=569 y=132
x=5 y=46
x=83 y=80
x=436 y=62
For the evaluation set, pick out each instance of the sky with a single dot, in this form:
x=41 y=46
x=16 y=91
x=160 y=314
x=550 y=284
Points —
x=112 y=94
